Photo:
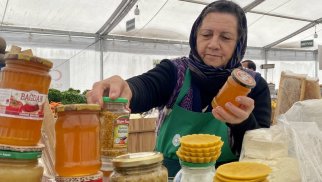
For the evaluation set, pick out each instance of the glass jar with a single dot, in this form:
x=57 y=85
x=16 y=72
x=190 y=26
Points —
x=77 y=140
x=114 y=132
x=239 y=83
x=98 y=177
x=197 y=174
x=24 y=84
x=138 y=167
x=20 y=166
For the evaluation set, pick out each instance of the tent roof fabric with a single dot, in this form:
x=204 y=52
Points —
x=272 y=23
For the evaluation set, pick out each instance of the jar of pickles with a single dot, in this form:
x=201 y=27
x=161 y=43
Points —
x=137 y=167
x=24 y=84
x=239 y=83
x=77 y=140
x=20 y=166
x=114 y=132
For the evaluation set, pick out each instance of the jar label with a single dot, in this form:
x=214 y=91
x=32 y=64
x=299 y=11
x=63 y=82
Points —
x=121 y=131
x=22 y=104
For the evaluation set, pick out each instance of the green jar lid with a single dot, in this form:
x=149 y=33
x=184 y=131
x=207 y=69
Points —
x=120 y=99
x=8 y=154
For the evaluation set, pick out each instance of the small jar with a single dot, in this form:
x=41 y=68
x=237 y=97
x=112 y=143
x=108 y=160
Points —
x=24 y=84
x=114 y=132
x=239 y=83
x=77 y=140
x=137 y=167
x=204 y=174
x=20 y=166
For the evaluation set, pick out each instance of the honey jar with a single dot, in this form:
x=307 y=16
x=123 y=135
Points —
x=17 y=166
x=24 y=84
x=77 y=140
x=137 y=167
x=239 y=83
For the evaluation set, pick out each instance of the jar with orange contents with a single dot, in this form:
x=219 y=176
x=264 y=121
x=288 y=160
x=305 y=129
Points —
x=77 y=140
x=24 y=84
x=239 y=83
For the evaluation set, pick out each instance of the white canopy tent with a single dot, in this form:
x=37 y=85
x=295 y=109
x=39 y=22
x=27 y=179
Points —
x=88 y=41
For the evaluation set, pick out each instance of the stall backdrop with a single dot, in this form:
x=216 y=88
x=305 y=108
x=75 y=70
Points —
x=92 y=40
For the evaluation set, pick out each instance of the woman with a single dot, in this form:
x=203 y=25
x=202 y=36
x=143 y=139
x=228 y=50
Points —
x=183 y=88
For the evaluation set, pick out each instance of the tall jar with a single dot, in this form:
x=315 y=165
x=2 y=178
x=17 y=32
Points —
x=239 y=83
x=18 y=166
x=77 y=140
x=137 y=167
x=24 y=84
x=114 y=132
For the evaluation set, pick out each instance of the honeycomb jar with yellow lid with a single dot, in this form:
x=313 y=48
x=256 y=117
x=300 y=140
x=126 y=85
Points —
x=77 y=140
x=137 y=167
x=24 y=84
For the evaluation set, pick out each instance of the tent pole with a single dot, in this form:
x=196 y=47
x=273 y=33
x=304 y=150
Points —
x=265 y=58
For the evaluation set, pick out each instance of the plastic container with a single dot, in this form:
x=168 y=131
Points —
x=239 y=83
x=114 y=132
x=77 y=140
x=196 y=172
x=137 y=167
x=18 y=166
x=24 y=84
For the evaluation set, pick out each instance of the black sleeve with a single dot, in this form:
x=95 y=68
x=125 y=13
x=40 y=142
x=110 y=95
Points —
x=153 y=88
x=259 y=118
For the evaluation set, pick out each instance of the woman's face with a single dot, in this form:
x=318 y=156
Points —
x=216 y=38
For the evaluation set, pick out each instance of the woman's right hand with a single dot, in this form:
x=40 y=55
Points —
x=112 y=87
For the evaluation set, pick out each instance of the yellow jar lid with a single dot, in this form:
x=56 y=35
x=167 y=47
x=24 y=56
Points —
x=36 y=148
x=78 y=107
x=24 y=57
x=243 y=78
x=137 y=159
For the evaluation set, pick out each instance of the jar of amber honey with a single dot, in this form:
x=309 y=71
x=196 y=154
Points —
x=239 y=83
x=77 y=140
x=24 y=84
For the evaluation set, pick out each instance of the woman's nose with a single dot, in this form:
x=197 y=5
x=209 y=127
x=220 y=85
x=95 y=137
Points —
x=214 y=43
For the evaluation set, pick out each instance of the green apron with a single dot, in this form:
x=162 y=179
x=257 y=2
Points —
x=180 y=122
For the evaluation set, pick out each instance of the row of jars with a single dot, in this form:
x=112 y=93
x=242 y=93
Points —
x=24 y=83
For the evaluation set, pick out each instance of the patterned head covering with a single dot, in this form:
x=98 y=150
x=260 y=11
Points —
x=196 y=64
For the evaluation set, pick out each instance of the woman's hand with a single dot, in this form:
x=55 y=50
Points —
x=233 y=114
x=113 y=87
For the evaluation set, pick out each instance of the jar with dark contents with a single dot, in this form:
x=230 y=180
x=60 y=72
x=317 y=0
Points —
x=139 y=167
x=114 y=130
x=239 y=83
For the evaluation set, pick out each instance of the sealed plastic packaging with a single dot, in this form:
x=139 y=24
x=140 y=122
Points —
x=137 y=167
x=77 y=140
x=17 y=166
x=239 y=83
x=24 y=84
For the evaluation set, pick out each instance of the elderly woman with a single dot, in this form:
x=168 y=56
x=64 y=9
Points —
x=183 y=88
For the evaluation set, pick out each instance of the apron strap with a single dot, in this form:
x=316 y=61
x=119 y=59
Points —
x=185 y=87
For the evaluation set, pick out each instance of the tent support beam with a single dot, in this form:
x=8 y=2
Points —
x=281 y=16
x=44 y=31
x=121 y=11
x=310 y=25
